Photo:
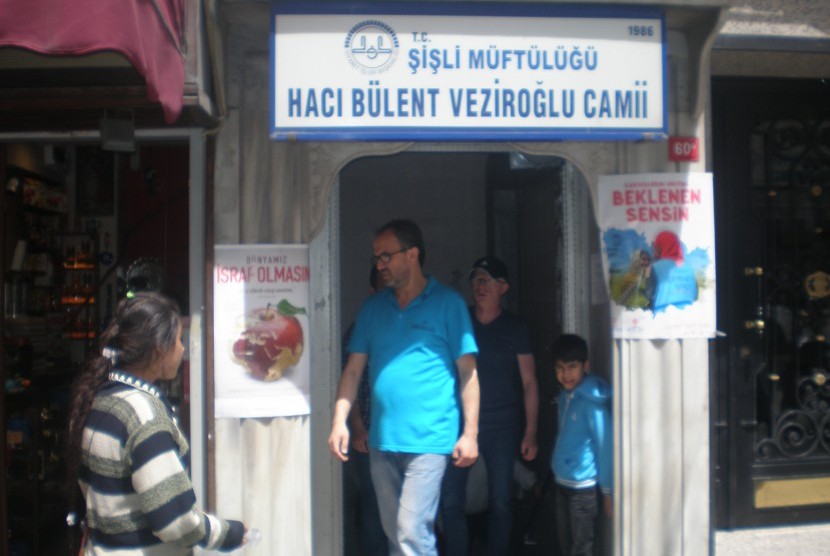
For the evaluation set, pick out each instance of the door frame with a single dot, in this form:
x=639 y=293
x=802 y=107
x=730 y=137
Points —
x=738 y=358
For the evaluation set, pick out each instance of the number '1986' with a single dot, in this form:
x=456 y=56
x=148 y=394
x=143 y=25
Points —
x=641 y=30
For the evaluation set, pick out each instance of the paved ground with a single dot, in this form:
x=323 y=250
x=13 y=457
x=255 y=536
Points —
x=806 y=540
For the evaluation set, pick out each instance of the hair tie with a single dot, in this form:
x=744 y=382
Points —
x=110 y=353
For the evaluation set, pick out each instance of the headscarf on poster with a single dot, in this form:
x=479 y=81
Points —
x=261 y=330
x=658 y=251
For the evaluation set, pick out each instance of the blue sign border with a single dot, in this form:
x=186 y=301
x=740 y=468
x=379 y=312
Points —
x=465 y=134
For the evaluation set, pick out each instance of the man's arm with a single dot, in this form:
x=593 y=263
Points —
x=359 y=434
x=465 y=452
x=527 y=370
x=346 y=393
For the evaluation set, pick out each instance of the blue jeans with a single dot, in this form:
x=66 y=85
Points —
x=362 y=508
x=408 y=487
x=576 y=518
x=499 y=448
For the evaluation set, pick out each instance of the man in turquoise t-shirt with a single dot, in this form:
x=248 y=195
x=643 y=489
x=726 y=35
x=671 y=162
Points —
x=417 y=338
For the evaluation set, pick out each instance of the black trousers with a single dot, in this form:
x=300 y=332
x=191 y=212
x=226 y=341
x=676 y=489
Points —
x=576 y=518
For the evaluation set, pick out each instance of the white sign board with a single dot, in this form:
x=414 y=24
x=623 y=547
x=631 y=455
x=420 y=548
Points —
x=474 y=72
x=658 y=247
x=261 y=332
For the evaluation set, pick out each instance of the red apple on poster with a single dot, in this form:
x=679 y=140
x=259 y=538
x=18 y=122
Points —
x=271 y=342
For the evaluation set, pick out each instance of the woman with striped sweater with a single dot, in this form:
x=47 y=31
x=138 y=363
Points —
x=125 y=449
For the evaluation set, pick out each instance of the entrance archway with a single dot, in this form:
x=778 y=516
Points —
x=535 y=213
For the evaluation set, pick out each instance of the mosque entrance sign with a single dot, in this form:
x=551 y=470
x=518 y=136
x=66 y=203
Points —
x=455 y=72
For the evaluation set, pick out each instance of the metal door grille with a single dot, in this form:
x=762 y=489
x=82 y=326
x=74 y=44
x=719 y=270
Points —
x=790 y=195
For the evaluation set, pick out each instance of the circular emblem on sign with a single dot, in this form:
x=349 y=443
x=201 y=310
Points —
x=817 y=285
x=371 y=46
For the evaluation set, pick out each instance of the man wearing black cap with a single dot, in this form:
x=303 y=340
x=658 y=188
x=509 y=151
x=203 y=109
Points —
x=509 y=397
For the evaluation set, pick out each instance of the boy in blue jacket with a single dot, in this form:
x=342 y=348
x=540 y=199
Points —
x=582 y=460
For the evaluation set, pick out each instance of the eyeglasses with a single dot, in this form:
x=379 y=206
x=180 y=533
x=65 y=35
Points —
x=386 y=257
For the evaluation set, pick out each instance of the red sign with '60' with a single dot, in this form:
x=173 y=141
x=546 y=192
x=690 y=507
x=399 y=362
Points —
x=683 y=149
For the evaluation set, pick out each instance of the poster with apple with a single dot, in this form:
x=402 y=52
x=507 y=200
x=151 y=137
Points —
x=261 y=331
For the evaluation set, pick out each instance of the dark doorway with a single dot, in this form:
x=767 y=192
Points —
x=771 y=382
x=92 y=225
x=524 y=228
x=468 y=205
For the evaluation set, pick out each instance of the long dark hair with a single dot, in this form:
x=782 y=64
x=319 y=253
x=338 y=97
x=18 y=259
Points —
x=143 y=328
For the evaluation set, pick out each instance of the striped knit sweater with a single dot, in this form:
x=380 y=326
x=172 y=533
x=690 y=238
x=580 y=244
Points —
x=139 y=497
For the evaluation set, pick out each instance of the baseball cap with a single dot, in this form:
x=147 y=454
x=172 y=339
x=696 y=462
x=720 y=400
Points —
x=492 y=266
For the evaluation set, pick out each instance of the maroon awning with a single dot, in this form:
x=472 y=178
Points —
x=147 y=32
